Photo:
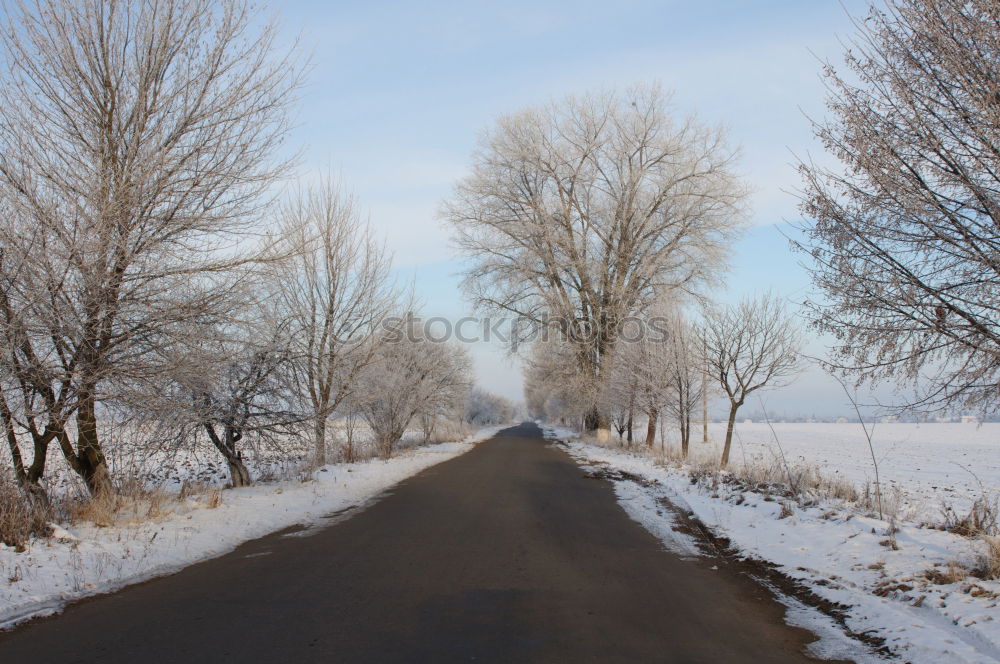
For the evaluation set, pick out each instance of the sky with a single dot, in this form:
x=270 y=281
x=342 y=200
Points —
x=399 y=93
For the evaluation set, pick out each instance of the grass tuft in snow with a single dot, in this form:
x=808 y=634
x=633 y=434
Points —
x=988 y=566
x=21 y=518
x=981 y=519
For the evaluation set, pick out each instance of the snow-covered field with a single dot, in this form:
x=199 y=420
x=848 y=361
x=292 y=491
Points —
x=85 y=559
x=133 y=459
x=930 y=464
x=832 y=547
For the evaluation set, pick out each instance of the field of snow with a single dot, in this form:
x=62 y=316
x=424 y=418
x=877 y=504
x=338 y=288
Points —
x=924 y=466
x=84 y=559
x=167 y=467
x=842 y=555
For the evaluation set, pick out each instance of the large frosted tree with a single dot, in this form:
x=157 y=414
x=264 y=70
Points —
x=578 y=213
x=137 y=146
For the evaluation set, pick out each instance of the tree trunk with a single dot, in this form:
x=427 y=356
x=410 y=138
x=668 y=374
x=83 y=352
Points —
x=239 y=475
x=685 y=433
x=29 y=479
x=704 y=417
x=347 y=451
x=319 y=441
x=427 y=428
x=91 y=464
x=386 y=446
x=704 y=397
x=729 y=433
x=651 y=427
x=629 y=433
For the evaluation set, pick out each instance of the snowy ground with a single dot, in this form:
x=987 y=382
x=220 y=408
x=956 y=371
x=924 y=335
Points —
x=85 y=560
x=133 y=459
x=930 y=464
x=832 y=547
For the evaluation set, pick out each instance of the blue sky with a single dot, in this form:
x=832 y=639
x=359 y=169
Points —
x=399 y=93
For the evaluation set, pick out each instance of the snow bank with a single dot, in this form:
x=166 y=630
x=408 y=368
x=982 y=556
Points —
x=83 y=559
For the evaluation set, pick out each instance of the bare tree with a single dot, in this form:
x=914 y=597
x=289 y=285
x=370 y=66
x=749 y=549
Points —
x=683 y=359
x=578 y=213
x=623 y=390
x=905 y=242
x=639 y=379
x=235 y=385
x=655 y=368
x=484 y=408
x=555 y=386
x=334 y=291
x=410 y=376
x=348 y=449
x=750 y=346
x=137 y=143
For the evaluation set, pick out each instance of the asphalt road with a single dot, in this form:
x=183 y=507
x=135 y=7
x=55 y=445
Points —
x=505 y=554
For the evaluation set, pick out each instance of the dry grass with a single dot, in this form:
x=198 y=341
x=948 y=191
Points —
x=213 y=498
x=803 y=485
x=132 y=502
x=20 y=517
x=980 y=521
x=953 y=572
x=206 y=495
x=102 y=510
x=988 y=564
x=447 y=431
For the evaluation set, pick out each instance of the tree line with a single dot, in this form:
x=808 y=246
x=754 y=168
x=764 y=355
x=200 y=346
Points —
x=153 y=273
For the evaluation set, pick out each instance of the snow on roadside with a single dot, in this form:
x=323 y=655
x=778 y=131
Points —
x=840 y=556
x=551 y=431
x=83 y=559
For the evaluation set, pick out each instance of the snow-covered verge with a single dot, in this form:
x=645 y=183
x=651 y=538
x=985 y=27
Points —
x=83 y=559
x=909 y=589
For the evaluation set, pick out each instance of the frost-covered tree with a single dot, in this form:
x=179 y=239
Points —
x=638 y=381
x=750 y=346
x=622 y=396
x=656 y=371
x=578 y=213
x=555 y=386
x=137 y=143
x=333 y=289
x=237 y=389
x=905 y=237
x=685 y=374
x=484 y=408
x=410 y=376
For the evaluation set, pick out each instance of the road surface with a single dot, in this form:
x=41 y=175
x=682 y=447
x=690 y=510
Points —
x=505 y=554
